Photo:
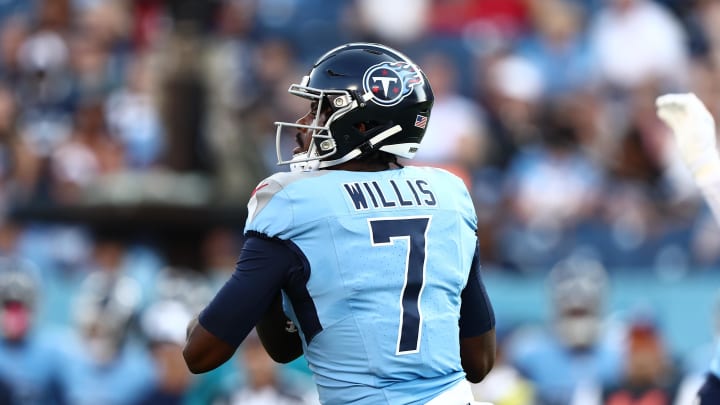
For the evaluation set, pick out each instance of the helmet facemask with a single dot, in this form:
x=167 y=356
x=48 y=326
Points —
x=322 y=144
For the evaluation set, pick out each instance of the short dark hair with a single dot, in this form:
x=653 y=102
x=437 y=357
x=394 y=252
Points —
x=379 y=156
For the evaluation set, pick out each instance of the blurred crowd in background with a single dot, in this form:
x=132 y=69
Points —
x=133 y=131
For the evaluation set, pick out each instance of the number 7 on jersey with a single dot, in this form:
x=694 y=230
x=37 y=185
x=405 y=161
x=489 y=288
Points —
x=412 y=230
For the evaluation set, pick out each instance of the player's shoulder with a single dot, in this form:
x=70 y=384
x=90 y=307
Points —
x=270 y=186
x=271 y=199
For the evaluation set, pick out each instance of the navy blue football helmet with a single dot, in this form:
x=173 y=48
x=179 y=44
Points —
x=362 y=83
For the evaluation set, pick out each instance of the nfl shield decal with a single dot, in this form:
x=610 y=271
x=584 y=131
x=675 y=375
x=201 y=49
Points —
x=390 y=82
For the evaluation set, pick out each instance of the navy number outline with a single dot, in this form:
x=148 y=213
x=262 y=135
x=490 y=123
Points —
x=413 y=230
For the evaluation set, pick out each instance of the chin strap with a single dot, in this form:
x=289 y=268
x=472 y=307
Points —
x=305 y=165
x=365 y=147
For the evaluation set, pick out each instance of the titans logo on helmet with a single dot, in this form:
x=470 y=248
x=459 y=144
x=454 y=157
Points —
x=390 y=82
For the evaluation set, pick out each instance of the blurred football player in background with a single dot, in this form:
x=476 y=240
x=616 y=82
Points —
x=30 y=360
x=578 y=350
x=104 y=354
x=695 y=134
x=369 y=268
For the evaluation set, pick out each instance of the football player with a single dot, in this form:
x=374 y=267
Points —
x=367 y=267
x=30 y=356
x=694 y=129
x=104 y=353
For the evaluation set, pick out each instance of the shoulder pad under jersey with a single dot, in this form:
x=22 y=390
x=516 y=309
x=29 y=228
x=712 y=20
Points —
x=270 y=209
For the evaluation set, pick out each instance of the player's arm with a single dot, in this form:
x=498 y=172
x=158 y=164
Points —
x=240 y=304
x=204 y=351
x=694 y=130
x=278 y=334
x=477 y=326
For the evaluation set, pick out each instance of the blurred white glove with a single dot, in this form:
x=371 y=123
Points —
x=694 y=130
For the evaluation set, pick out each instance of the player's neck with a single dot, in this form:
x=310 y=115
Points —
x=361 y=166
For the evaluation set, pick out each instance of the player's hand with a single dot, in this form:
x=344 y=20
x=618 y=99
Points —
x=694 y=129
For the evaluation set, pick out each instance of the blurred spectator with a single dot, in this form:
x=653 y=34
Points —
x=579 y=348
x=17 y=176
x=637 y=40
x=558 y=47
x=551 y=187
x=132 y=116
x=96 y=68
x=510 y=87
x=378 y=20
x=88 y=154
x=631 y=218
x=43 y=86
x=456 y=136
x=13 y=34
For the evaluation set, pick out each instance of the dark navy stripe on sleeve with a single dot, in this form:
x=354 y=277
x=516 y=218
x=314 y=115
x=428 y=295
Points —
x=302 y=303
x=260 y=273
x=476 y=311
x=709 y=393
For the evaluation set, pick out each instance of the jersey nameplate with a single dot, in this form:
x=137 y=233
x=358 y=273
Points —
x=390 y=194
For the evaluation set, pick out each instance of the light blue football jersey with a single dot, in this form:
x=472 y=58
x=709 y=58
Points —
x=389 y=254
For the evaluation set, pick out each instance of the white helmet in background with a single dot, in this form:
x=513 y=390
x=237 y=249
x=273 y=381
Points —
x=19 y=294
x=104 y=312
x=578 y=288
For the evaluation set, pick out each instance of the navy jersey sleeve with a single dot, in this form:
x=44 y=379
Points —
x=260 y=273
x=710 y=391
x=476 y=311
